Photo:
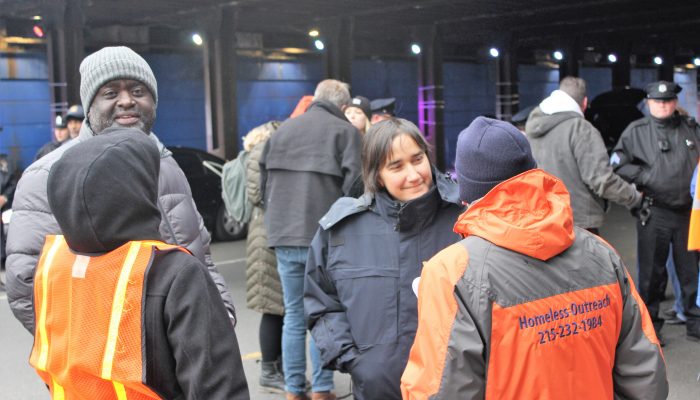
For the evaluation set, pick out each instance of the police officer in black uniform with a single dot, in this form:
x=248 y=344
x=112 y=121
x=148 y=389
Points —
x=659 y=153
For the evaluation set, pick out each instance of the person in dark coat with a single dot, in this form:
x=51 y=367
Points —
x=74 y=120
x=359 y=114
x=358 y=296
x=190 y=350
x=658 y=154
x=310 y=162
x=60 y=133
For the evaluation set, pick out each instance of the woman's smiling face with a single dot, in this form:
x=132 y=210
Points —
x=406 y=174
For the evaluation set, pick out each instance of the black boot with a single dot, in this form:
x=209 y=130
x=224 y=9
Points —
x=271 y=377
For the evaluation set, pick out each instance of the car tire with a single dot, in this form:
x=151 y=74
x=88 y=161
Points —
x=227 y=228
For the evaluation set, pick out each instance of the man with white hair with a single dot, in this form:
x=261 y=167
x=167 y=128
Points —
x=310 y=162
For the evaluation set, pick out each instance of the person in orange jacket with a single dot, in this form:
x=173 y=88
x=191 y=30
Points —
x=119 y=313
x=526 y=306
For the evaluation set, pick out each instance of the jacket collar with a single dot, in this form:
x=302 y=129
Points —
x=86 y=133
x=529 y=214
x=559 y=101
x=672 y=121
x=328 y=107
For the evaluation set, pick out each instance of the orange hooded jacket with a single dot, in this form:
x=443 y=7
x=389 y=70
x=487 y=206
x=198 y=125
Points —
x=529 y=307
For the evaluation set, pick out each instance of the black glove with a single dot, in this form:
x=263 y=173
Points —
x=643 y=212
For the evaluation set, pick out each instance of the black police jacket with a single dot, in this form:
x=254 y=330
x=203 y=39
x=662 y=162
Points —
x=659 y=156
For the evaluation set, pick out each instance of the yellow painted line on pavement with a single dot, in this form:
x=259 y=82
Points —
x=252 y=356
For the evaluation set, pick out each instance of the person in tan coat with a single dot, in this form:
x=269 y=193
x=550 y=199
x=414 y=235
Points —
x=263 y=287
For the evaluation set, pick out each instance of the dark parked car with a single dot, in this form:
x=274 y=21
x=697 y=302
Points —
x=203 y=172
x=612 y=111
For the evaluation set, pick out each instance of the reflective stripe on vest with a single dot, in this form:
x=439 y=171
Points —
x=694 y=230
x=88 y=338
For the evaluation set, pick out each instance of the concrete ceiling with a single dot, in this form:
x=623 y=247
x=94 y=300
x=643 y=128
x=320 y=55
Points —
x=387 y=27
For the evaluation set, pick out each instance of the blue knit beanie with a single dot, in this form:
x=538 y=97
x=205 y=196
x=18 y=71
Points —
x=489 y=151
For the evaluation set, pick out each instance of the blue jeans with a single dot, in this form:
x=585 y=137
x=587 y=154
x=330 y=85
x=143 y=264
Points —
x=291 y=264
x=676 y=284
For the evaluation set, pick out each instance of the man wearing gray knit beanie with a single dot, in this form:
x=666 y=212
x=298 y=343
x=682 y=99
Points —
x=117 y=89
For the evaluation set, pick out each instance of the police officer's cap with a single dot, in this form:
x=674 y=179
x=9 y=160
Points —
x=383 y=106
x=75 y=112
x=662 y=90
x=60 y=122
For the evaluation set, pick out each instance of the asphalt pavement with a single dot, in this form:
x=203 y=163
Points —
x=18 y=381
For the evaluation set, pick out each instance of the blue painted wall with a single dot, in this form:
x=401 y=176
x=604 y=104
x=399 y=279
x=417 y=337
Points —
x=270 y=90
x=688 y=97
x=24 y=106
x=469 y=92
x=180 y=118
x=598 y=80
x=376 y=79
x=536 y=83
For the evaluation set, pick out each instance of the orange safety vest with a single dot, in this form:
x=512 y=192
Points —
x=694 y=231
x=88 y=335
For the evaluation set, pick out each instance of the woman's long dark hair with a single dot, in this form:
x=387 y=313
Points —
x=376 y=147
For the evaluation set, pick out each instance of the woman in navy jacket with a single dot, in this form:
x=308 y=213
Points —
x=358 y=296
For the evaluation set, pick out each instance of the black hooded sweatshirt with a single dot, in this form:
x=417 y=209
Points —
x=103 y=193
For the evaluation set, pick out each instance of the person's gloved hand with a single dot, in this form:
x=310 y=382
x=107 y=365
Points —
x=643 y=212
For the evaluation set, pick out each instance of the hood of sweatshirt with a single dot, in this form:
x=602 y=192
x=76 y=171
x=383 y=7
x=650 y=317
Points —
x=552 y=111
x=103 y=191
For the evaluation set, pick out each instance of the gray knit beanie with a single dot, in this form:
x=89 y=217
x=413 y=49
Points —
x=112 y=63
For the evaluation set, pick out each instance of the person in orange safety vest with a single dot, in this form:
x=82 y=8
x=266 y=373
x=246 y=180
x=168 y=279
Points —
x=526 y=306
x=119 y=313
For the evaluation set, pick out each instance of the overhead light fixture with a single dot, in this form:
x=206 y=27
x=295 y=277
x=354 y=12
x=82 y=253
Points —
x=294 y=50
x=658 y=60
x=494 y=52
x=36 y=18
x=696 y=61
x=318 y=43
x=558 y=55
x=38 y=31
x=612 y=58
x=313 y=33
x=197 y=39
x=415 y=48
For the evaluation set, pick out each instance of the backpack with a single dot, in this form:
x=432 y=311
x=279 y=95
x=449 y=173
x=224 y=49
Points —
x=233 y=188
